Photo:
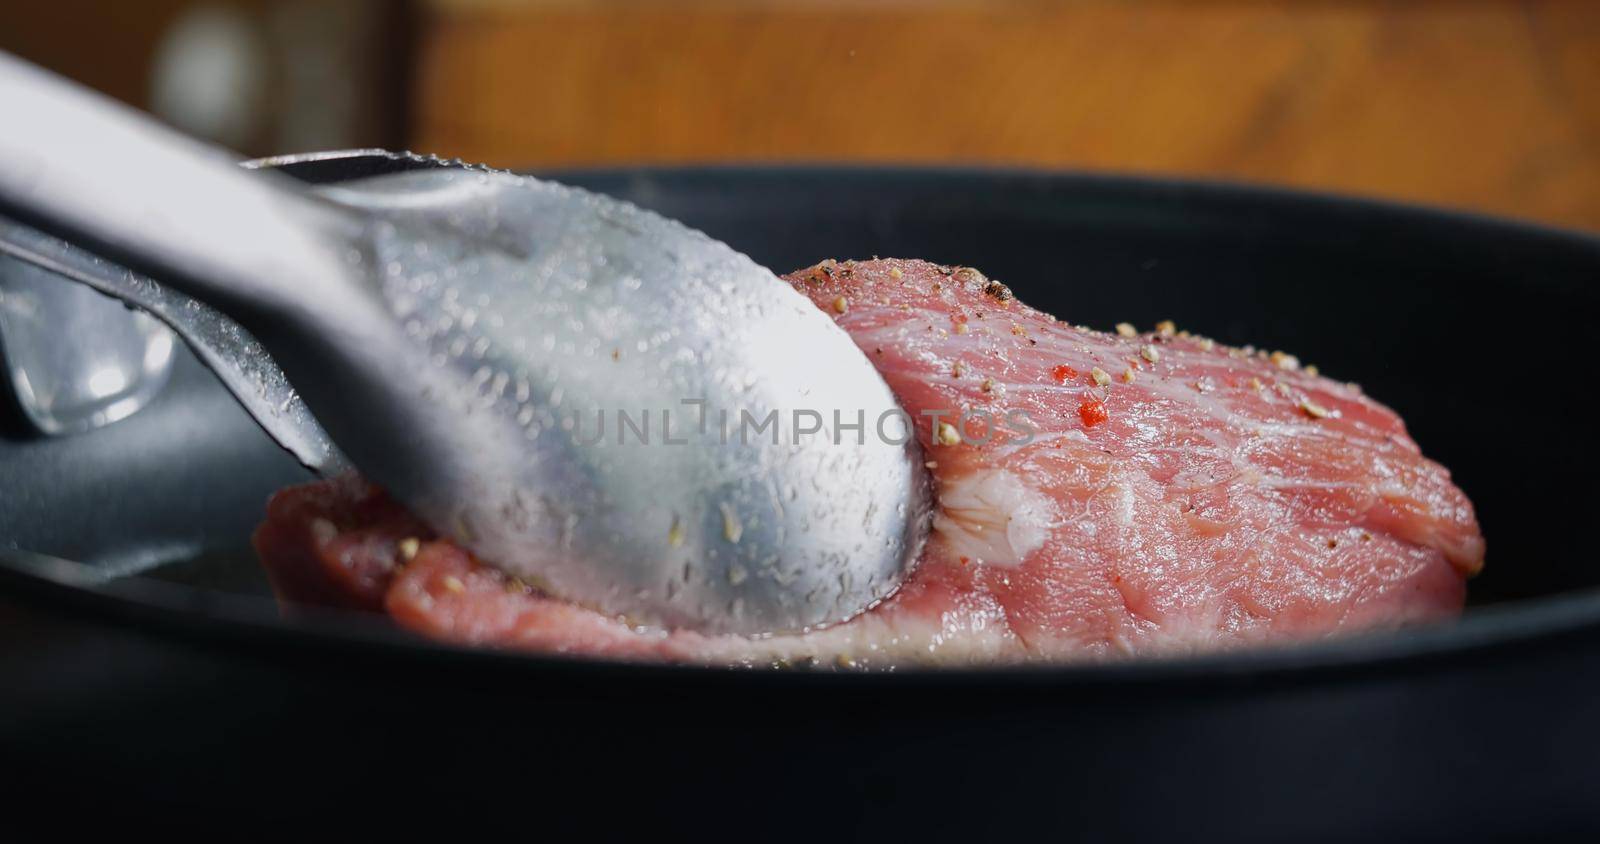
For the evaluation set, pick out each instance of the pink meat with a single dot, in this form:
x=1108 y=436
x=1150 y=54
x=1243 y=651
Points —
x=1140 y=494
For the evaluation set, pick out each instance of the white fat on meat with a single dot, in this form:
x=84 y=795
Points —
x=993 y=517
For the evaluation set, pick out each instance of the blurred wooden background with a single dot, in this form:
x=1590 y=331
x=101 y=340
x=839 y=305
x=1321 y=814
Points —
x=1489 y=104
x=1485 y=104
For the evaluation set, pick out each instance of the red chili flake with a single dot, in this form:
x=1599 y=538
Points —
x=966 y=560
x=1063 y=373
x=958 y=318
x=1092 y=411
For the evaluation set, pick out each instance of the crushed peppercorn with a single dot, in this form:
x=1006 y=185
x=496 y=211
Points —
x=967 y=275
x=1092 y=411
x=732 y=528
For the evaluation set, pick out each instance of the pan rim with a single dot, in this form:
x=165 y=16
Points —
x=215 y=618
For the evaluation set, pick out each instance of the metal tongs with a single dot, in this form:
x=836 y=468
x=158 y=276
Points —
x=471 y=340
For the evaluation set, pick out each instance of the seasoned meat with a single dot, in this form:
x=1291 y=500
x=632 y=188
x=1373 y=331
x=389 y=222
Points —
x=1099 y=495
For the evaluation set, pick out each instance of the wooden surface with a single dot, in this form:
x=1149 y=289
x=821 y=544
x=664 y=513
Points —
x=329 y=73
x=1487 y=104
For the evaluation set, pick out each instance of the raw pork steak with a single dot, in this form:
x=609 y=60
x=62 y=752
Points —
x=1136 y=494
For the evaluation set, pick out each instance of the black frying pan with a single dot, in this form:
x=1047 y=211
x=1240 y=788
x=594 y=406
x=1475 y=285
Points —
x=154 y=674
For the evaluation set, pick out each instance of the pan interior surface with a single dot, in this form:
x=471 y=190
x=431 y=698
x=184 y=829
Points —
x=1470 y=328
